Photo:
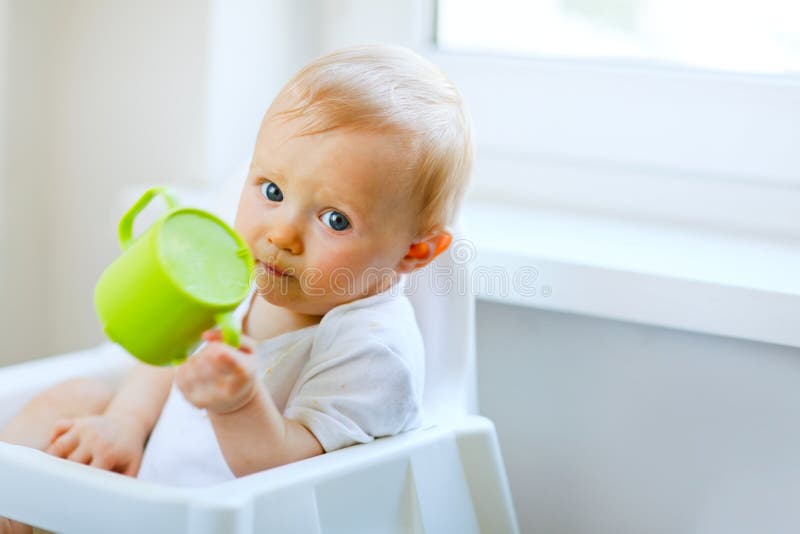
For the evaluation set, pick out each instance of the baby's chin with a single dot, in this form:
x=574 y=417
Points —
x=294 y=302
x=307 y=304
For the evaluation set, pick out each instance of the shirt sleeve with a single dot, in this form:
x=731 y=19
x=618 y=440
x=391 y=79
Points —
x=355 y=394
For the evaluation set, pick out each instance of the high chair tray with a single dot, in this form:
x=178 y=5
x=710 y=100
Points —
x=447 y=478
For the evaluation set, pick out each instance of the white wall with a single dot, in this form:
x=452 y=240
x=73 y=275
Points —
x=100 y=95
x=3 y=139
x=26 y=178
x=611 y=427
x=127 y=106
x=353 y=22
x=255 y=46
x=110 y=97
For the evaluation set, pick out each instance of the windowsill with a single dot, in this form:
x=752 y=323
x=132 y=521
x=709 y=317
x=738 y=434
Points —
x=701 y=281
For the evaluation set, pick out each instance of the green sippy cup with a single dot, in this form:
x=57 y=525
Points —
x=180 y=277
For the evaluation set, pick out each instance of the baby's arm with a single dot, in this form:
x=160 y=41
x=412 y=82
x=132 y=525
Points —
x=256 y=436
x=115 y=440
x=252 y=433
x=142 y=395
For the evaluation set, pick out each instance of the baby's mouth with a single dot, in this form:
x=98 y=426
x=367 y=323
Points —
x=275 y=270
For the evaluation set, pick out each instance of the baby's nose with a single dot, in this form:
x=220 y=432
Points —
x=286 y=237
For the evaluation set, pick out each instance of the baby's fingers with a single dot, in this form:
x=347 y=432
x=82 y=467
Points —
x=213 y=335
x=102 y=461
x=246 y=343
x=111 y=461
x=63 y=445
x=82 y=455
x=132 y=469
x=60 y=428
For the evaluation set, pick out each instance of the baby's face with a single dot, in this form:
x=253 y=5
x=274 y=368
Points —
x=327 y=216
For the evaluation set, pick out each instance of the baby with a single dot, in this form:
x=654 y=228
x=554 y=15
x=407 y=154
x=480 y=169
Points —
x=359 y=166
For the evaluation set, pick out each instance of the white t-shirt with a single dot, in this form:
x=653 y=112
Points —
x=355 y=376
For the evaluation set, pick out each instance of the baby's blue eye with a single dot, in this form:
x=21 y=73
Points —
x=335 y=220
x=271 y=191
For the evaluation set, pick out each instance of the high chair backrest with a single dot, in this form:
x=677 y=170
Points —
x=443 y=301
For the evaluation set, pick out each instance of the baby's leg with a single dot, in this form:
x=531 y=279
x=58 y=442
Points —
x=34 y=423
x=74 y=398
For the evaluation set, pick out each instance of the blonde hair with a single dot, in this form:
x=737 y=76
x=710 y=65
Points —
x=392 y=89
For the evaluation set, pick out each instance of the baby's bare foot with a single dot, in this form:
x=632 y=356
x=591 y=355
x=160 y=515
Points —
x=7 y=526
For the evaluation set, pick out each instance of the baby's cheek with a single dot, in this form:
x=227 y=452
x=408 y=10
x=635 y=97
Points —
x=332 y=274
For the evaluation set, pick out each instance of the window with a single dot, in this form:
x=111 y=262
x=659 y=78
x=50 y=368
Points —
x=761 y=36
x=588 y=114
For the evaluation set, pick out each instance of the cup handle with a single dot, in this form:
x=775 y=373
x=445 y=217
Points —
x=231 y=332
x=125 y=229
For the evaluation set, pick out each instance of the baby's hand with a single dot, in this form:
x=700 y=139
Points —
x=219 y=377
x=107 y=442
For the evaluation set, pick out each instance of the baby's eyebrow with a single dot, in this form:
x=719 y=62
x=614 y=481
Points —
x=259 y=170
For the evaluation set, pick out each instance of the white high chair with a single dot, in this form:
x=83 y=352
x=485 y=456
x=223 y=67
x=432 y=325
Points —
x=445 y=477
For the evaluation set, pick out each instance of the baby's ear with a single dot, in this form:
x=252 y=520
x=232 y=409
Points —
x=424 y=251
